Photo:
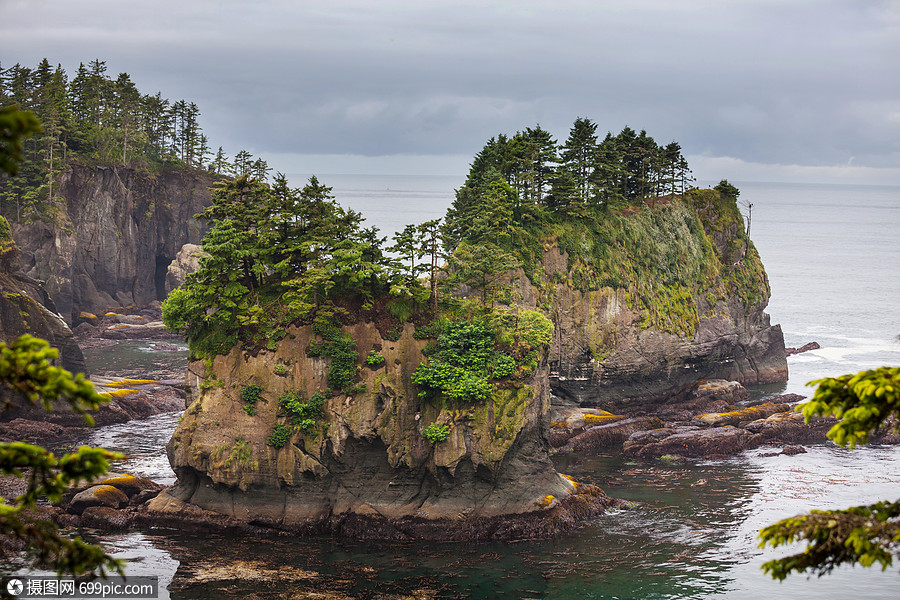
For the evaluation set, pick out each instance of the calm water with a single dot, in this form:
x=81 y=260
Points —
x=833 y=263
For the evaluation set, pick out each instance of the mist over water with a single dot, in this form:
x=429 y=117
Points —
x=833 y=261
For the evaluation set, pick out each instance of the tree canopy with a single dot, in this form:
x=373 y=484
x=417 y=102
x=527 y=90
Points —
x=94 y=118
x=277 y=255
x=867 y=535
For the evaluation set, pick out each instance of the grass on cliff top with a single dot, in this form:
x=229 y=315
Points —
x=676 y=259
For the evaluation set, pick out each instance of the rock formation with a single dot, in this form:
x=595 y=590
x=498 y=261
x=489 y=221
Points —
x=187 y=261
x=368 y=460
x=366 y=468
x=118 y=232
x=25 y=307
x=607 y=352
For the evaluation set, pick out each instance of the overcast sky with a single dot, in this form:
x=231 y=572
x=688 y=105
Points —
x=805 y=90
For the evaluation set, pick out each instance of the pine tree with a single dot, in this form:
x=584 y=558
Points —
x=578 y=156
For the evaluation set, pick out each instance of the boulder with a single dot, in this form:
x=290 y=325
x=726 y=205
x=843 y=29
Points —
x=790 y=351
x=187 y=261
x=105 y=518
x=130 y=485
x=720 y=389
x=690 y=441
x=97 y=495
x=610 y=434
x=741 y=415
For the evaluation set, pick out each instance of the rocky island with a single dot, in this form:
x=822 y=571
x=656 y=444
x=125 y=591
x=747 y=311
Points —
x=332 y=389
x=414 y=391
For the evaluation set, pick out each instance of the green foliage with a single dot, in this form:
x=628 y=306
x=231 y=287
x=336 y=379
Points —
x=277 y=256
x=342 y=350
x=481 y=266
x=436 y=433
x=280 y=436
x=727 y=190
x=374 y=359
x=862 y=534
x=26 y=370
x=468 y=354
x=503 y=366
x=15 y=126
x=250 y=396
x=299 y=411
x=91 y=119
x=239 y=454
x=863 y=403
x=280 y=370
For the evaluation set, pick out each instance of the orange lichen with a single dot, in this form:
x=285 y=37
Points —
x=119 y=393
x=546 y=500
x=591 y=419
x=126 y=382
x=571 y=480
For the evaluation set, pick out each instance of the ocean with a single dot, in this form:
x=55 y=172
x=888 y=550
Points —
x=833 y=262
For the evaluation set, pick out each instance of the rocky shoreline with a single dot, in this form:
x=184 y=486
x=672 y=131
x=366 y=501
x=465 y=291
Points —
x=133 y=395
x=122 y=502
x=714 y=422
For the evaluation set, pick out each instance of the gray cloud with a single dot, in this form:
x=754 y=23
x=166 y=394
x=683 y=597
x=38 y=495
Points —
x=767 y=81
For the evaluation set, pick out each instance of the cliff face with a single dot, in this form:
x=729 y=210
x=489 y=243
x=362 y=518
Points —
x=25 y=307
x=367 y=456
x=702 y=317
x=119 y=232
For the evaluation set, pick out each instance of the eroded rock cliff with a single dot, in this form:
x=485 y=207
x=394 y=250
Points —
x=697 y=311
x=118 y=232
x=641 y=309
x=25 y=307
x=367 y=457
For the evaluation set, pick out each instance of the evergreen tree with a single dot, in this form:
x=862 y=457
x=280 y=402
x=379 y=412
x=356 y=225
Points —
x=430 y=245
x=578 y=156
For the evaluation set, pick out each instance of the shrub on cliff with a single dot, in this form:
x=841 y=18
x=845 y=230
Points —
x=469 y=354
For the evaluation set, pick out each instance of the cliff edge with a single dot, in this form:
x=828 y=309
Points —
x=119 y=230
x=688 y=303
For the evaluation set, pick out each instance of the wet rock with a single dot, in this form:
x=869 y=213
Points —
x=741 y=415
x=98 y=495
x=586 y=502
x=143 y=496
x=793 y=450
x=720 y=389
x=105 y=518
x=791 y=428
x=131 y=485
x=153 y=330
x=610 y=434
x=569 y=421
x=690 y=441
x=27 y=430
x=789 y=351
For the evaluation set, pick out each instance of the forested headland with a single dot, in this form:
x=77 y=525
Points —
x=94 y=119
